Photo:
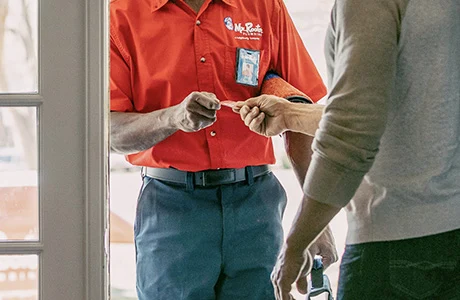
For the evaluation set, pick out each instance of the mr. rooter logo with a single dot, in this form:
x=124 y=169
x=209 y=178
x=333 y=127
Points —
x=247 y=28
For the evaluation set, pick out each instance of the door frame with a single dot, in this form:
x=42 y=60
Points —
x=72 y=110
x=97 y=153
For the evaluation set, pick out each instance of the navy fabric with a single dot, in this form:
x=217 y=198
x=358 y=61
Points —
x=271 y=75
x=419 y=268
x=195 y=243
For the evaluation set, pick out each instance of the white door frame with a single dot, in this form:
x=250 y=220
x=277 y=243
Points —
x=97 y=142
x=74 y=74
x=72 y=106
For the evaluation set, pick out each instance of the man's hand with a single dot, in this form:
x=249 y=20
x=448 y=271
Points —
x=270 y=115
x=294 y=265
x=307 y=233
x=196 y=111
x=324 y=246
x=287 y=270
x=264 y=114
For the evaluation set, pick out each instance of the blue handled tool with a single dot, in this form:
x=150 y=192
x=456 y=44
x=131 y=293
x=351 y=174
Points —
x=319 y=282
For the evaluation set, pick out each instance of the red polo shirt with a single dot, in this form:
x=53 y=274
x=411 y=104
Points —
x=161 y=51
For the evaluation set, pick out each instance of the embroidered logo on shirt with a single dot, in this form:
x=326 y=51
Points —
x=245 y=31
x=228 y=23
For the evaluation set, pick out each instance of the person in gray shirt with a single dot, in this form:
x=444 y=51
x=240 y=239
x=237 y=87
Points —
x=387 y=150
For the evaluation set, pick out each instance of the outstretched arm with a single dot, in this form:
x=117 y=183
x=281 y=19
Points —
x=271 y=115
x=135 y=132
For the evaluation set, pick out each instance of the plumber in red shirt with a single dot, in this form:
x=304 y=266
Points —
x=208 y=221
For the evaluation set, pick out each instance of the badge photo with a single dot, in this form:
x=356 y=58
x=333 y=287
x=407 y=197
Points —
x=247 y=66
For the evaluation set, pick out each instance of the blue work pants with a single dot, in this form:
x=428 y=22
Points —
x=206 y=243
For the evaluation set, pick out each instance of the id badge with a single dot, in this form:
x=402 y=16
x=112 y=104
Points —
x=247 y=66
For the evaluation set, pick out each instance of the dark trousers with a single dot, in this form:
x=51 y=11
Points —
x=208 y=243
x=419 y=268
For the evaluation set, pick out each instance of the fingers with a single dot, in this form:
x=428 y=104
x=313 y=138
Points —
x=283 y=285
x=197 y=123
x=253 y=118
x=269 y=104
x=256 y=124
x=206 y=100
x=244 y=111
x=285 y=273
x=324 y=246
x=202 y=103
x=302 y=283
x=329 y=258
x=250 y=115
x=250 y=103
x=197 y=111
x=237 y=106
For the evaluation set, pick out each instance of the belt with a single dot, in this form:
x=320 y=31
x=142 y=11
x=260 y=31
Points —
x=206 y=178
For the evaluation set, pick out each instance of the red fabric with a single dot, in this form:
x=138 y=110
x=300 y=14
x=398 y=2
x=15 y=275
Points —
x=156 y=49
x=279 y=87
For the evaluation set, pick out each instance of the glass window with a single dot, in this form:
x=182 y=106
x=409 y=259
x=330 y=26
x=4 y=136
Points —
x=18 y=174
x=18 y=46
x=19 y=277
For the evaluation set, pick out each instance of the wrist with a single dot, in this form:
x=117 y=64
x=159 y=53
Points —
x=294 y=112
x=168 y=117
x=172 y=117
x=304 y=118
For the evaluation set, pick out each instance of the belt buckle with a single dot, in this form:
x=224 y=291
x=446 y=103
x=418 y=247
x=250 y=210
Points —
x=218 y=177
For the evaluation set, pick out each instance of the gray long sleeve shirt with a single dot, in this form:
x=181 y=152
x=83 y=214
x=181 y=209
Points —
x=390 y=136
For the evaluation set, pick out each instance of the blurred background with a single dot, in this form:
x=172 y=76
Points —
x=19 y=153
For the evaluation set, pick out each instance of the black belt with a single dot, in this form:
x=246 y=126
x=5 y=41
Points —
x=206 y=178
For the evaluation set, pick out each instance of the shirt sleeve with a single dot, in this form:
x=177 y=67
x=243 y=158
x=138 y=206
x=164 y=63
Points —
x=364 y=37
x=120 y=77
x=292 y=61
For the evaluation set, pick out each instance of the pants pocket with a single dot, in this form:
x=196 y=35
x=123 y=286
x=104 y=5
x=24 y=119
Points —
x=417 y=280
x=419 y=267
x=138 y=219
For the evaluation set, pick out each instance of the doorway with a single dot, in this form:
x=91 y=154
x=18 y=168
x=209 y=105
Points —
x=311 y=19
x=53 y=149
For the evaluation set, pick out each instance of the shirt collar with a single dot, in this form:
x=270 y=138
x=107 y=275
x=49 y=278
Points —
x=230 y=2
x=157 y=4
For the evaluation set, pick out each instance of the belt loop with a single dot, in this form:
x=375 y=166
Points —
x=249 y=175
x=189 y=185
x=143 y=172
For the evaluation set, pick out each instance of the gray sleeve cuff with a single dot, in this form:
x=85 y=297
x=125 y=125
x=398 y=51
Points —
x=330 y=183
x=299 y=99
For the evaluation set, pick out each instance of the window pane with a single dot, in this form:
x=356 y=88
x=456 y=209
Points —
x=18 y=174
x=124 y=183
x=19 y=277
x=18 y=46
